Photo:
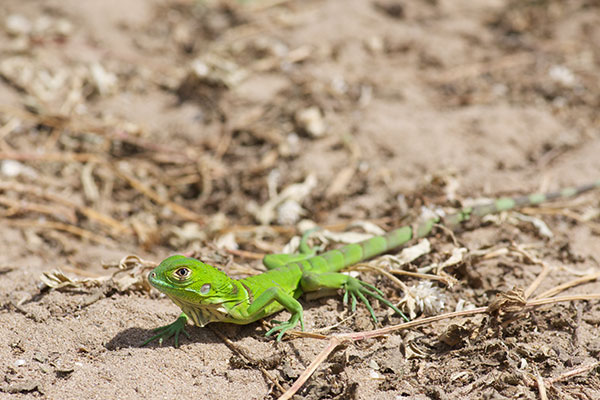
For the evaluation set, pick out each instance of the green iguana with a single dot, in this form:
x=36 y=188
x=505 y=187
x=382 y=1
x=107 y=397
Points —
x=205 y=294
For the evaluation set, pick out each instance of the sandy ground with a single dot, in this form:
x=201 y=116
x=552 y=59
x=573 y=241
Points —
x=150 y=128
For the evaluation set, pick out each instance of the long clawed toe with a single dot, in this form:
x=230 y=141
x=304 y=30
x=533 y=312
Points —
x=165 y=332
x=359 y=288
x=284 y=326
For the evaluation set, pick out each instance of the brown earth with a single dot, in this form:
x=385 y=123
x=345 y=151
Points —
x=160 y=127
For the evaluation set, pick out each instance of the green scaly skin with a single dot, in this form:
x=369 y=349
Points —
x=205 y=294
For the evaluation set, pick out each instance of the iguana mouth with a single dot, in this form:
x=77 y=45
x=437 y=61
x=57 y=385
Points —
x=201 y=314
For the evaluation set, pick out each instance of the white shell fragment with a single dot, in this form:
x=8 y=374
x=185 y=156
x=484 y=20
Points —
x=311 y=121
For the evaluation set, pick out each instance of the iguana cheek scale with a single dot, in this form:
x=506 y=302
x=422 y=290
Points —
x=206 y=294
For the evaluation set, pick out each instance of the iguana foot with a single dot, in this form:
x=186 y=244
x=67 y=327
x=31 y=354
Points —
x=358 y=288
x=284 y=326
x=173 y=329
x=272 y=261
x=304 y=248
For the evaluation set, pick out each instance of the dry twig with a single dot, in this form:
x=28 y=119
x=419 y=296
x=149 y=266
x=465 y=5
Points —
x=573 y=372
x=75 y=230
x=336 y=340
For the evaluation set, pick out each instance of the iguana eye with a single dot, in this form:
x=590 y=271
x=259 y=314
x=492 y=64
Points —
x=205 y=288
x=182 y=273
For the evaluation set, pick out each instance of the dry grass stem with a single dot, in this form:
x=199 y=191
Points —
x=148 y=192
x=85 y=234
x=446 y=280
x=64 y=157
x=245 y=254
x=541 y=386
x=541 y=276
x=20 y=206
x=575 y=282
x=115 y=226
x=337 y=339
x=365 y=266
x=562 y=211
x=331 y=345
x=573 y=372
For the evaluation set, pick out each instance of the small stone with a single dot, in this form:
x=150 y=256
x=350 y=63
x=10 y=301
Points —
x=562 y=75
x=375 y=44
x=375 y=375
x=23 y=387
x=63 y=27
x=20 y=362
x=311 y=121
x=106 y=82
x=373 y=364
x=16 y=25
x=12 y=168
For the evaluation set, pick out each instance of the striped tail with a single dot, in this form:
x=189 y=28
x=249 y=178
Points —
x=356 y=252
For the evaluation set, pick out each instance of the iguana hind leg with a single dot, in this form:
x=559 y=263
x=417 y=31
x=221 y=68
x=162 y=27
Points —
x=272 y=261
x=351 y=286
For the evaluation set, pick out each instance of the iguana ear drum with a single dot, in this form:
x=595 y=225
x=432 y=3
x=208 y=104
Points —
x=205 y=288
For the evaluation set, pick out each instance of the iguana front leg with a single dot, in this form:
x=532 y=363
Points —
x=173 y=329
x=289 y=302
x=354 y=287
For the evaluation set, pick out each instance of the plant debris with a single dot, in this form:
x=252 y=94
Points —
x=224 y=130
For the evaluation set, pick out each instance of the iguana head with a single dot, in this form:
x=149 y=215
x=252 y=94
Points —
x=199 y=289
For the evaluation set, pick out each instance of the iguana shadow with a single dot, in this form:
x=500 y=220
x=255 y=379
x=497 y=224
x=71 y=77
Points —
x=134 y=337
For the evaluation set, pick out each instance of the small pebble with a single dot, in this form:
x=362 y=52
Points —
x=375 y=375
x=16 y=25
x=311 y=121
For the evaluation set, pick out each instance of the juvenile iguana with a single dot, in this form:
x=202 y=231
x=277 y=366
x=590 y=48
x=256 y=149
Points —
x=206 y=294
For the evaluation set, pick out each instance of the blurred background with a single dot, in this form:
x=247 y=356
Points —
x=222 y=128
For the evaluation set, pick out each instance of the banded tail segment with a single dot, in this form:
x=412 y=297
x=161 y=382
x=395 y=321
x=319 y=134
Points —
x=356 y=252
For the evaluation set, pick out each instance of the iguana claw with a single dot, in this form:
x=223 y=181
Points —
x=356 y=287
x=284 y=326
x=174 y=329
